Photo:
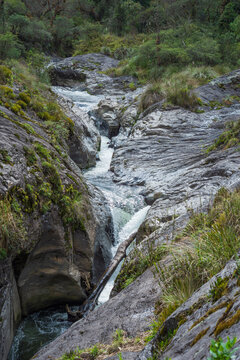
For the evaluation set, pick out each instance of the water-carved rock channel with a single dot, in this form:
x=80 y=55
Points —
x=128 y=212
x=158 y=157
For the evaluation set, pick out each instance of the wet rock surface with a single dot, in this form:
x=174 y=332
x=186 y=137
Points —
x=118 y=107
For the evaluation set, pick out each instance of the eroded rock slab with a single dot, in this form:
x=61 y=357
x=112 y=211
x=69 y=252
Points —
x=165 y=155
x=131 y=310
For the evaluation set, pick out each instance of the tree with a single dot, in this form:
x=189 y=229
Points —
x=9 y=46
x=227 y=16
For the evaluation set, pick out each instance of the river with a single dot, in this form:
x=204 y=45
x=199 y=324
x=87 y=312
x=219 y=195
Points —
x=128 y=212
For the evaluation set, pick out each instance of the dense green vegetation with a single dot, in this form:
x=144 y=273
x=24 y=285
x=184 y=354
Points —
x=154 y=39
x=148 y=34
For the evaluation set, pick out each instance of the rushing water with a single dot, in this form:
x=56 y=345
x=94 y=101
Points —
x=128 y=212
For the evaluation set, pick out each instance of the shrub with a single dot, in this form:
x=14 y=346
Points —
x=205 y=51
x=220 y=350
x=171 y=55
x=38 y=61
x=3 y=254
x=36 y=35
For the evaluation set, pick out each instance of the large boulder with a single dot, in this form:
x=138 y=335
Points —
x=87 y=72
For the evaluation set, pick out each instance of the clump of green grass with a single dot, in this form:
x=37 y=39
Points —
x=229 y=138
x=136 y=266
x=6 y=92
x=12 y=231
x=5 y=75
x=218 y=289
x=152 y=95
x=5 y=157
x=30 y=156
x=42 y=151
x=176 y=88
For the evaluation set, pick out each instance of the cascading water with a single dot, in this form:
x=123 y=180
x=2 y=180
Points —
x=128 y=212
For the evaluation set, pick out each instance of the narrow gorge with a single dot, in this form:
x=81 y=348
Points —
x=109 y=171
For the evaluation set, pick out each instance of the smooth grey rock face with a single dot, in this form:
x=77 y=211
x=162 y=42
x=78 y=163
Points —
x=165 y=155
x=48 y=278
x=220 y=88
x=10 y=308
x=131 y=310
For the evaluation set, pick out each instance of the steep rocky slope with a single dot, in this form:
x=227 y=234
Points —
x=54 y=227
x=164 y=155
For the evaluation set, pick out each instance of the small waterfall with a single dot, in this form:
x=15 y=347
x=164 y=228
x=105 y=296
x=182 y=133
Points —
x=131 y=226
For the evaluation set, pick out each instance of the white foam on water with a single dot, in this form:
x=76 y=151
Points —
x=80 y=98
x=132 y=226
x=103 y=164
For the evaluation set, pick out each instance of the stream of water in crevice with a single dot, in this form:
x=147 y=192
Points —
x=128 y=212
